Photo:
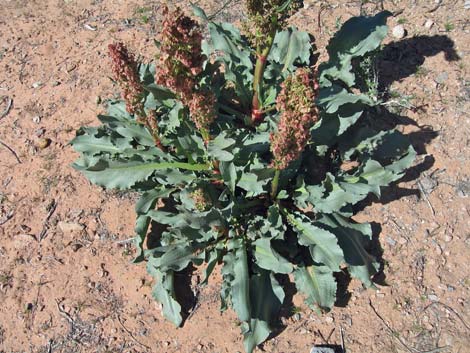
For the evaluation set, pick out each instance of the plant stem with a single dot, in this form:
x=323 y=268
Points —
x=275 y=183
x=262 y=55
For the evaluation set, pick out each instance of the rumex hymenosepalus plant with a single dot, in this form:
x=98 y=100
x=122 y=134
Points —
x=246 y=144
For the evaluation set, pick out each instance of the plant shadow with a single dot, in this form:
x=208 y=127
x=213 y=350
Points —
x=397 y=61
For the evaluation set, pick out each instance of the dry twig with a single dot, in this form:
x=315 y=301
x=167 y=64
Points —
x=12 y=151
x=131 y=335
x=451 y=310
x=45 y=225
x=426 y=198
x=391 y=330
x=7 y=109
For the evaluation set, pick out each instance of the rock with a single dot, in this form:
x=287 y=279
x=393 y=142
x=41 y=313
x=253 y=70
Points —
x=428 y=24
x=37 y=84
x=398 y=32
x=433 y=297
x=441 y=78
x=428 y=184
x=463 y=188
x=70 y=227
x=402 y=241
x=322 y=350
x=466 y=6
x=39 y=132
x=36 y=119
x=329 y=319
x=391 y=241
x=43 y=143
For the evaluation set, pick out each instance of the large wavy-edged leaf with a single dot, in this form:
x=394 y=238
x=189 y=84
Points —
x=318 y=284
x=164 y=293
x=141 y=227
x=146 y=202
x=128 y=128
x=174 y=257
x=357 y=36
x=123 y=174
x=94 y=143
x=353 y=237
x=324 y=243
x=227 y=44
x=290 y=47
x=229 y=174
x=240 y=286
x=252 y=183
x=217 y=148
x=270 y=259
x=266 y=296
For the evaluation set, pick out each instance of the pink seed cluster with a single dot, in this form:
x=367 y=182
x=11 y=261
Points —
x=180 y=63
x=296 y=103
x=125 y=73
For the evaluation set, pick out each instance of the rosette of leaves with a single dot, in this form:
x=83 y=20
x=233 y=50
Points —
x=219 y=207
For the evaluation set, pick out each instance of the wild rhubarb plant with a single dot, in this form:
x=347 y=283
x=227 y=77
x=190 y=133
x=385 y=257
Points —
x=244 y=141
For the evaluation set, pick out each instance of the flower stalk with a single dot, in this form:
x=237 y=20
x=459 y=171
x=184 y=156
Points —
x=125 y=71
x=296 y=103
x=179 y=67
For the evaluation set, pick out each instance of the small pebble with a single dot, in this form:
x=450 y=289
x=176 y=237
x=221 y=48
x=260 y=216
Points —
x=391 y=241
x=37 y=84
x=322 y=350
x=402 y=241
x=398 y=32
x=329 y=319
x=448 y=238
x=40 y=132
x=441 y=78
x=43 y=143
x=429 y=23
x=466 y=6
x=36 y=119
x=433 y=297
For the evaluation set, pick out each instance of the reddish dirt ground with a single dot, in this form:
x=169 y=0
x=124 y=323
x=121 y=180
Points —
x=66 y=282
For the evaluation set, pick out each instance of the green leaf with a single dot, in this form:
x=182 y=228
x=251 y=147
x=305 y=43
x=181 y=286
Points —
x=199 y=12
x=149 y=198
x=228 y=46
x=164 y=293
x=141 y=227
x=217 y=147
x=123 y=174
x=357 y=37
x=352 y=237
x=241 y=284
x=266 y=297
x=92 y=145
x=175 y=257
x=318 y=284
x=229 y=174
x=146 y=202
x=290 y=47
x=252 y=184
x=215 y=255
x=269 y=259
x=325 y=248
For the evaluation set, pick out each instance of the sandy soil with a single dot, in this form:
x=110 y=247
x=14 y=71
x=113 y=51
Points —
x=66 y=283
